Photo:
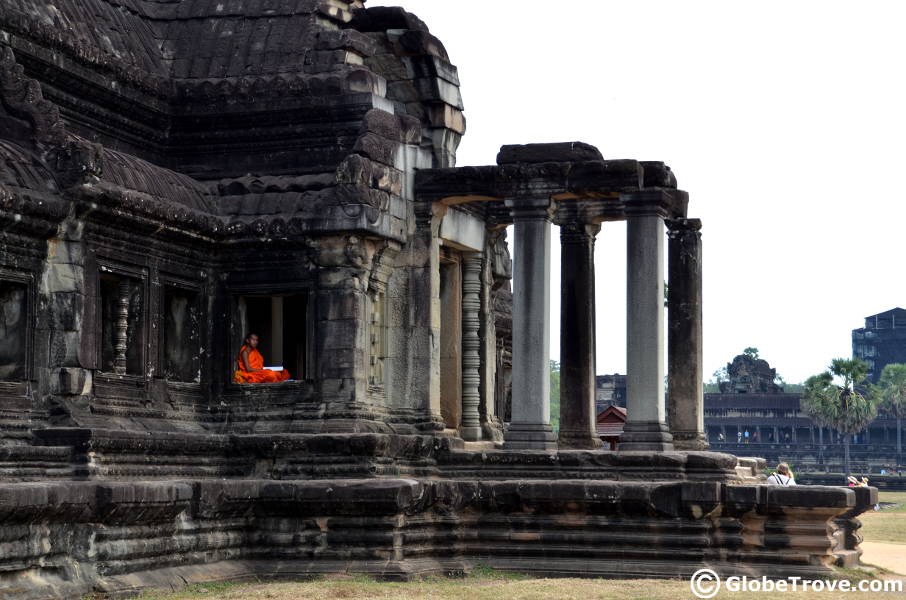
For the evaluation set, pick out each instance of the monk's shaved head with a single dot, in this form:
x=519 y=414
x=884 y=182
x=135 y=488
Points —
x=252 y=340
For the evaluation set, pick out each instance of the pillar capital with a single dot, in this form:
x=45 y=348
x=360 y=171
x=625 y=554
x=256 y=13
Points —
x=682 y=225
x=579 y=233
x=662 y=202
x=530 y=207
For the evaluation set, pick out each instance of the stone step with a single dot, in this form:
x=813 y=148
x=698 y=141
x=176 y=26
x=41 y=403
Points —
x=23 y=454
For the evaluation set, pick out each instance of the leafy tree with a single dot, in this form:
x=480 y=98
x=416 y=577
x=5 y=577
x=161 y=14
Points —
x=555 y=396
x=893 y=399
x=840 y=399
x=752 y=352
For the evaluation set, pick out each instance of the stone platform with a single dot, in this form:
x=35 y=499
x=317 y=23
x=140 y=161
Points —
x=585 y=513
x=67 y=539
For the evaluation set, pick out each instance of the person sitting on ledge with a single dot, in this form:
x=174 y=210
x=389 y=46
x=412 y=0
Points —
x=250 y=365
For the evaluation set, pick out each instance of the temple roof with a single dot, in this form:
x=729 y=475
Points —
x=20 y=171
x=179 y=39
x=187 y=101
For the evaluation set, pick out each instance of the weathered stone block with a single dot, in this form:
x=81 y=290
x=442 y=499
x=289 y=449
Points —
x=544 y=153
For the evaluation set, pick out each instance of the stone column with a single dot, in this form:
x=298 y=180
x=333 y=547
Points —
x=530 y=427
x=470 y=428
x=578 y=428
x=645 y=428
x=122 y=326
x=684 y=337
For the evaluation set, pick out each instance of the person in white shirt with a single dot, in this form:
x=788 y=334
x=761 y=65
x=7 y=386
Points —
x=782 y=476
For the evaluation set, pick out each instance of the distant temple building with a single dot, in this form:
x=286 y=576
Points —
x=610 y=390
x=752 y=415
x=882 y=341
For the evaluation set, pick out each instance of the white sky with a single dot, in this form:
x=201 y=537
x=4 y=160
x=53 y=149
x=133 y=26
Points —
x=783 y=120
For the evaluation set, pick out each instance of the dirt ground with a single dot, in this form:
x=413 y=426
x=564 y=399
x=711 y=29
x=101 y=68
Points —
x=885 y=555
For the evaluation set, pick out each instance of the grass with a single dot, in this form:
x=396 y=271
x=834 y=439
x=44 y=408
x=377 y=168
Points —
x=897 y=498
x=887 y=525
x=485 y=584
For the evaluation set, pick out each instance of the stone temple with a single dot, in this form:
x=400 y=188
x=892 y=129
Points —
x=175 y=174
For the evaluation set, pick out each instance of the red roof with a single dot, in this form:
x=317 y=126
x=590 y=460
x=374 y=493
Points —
x=610 y=421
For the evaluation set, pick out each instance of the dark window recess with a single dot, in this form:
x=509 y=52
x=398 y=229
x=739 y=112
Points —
x=182 y=361
x=122 y=334
x=281 y=323
x=13 y=330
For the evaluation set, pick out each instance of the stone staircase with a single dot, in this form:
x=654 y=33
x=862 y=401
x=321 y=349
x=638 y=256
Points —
x=20 y=460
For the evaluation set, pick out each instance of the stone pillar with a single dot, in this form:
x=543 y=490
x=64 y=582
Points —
x=578 y=427
x=776 y=435
x=645 y=428
x=530 y=427
x=470 y=429
x=684 y=337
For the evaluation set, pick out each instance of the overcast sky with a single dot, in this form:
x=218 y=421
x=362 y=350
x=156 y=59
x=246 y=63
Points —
x=783 y=120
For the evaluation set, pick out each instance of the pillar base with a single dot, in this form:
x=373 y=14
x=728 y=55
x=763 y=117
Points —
x=580 y=440
x=529 y=436
x=689 y=440
x=470 y=434
x=646 y=436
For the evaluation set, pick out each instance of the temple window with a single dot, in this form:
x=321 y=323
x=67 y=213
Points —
x=282 y=325
x=181 y=342
x=122 y=327
x=13 y=330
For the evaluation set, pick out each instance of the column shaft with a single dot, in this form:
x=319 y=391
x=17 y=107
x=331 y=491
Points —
x=684 y=339
x=578 y=427
x=645 y=428
x=470 y=429
x=530 y=425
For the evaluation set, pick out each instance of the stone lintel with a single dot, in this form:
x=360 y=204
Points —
x=595 y=179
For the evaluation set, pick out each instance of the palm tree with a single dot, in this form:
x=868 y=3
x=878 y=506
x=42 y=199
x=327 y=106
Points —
x=839 y=398
x=814 y=408
x=893 y=394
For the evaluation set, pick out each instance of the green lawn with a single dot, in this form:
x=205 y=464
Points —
x=896 y=497
x=888 y=525
x=487 y=585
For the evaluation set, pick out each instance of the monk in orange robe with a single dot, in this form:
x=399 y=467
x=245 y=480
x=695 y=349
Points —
x=250 y=365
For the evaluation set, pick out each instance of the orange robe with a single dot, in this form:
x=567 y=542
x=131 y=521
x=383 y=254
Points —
x=256 y=361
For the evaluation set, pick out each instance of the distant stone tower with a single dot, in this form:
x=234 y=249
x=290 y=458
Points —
x=750 y=375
